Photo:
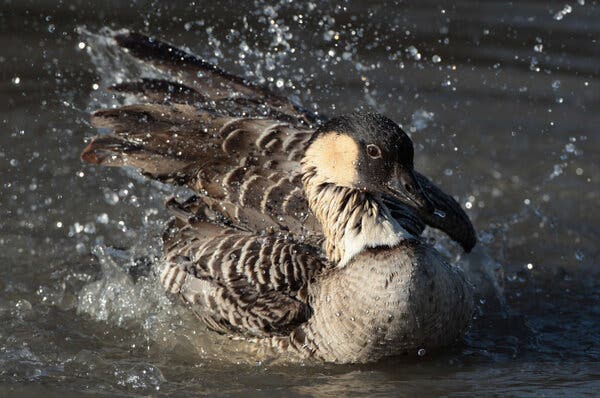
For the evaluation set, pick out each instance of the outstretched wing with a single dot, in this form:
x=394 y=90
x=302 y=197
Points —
x=237 y=281
x=204 y=83
x=192 y=132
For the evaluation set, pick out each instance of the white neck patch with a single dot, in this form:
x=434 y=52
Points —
x=379 y=230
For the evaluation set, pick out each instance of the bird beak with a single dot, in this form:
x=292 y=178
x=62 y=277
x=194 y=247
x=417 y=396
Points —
x=405 y=187
x=433 y=206
x=448 y=216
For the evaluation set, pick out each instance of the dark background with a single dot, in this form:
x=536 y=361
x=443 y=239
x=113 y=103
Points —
x=501 y=99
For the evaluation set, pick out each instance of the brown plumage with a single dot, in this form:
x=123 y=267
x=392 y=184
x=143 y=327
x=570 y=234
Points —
x=287 y=240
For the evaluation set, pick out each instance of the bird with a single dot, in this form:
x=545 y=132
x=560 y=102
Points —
x=301 y=233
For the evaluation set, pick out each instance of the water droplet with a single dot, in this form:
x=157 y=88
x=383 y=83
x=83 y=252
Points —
x=413 y=52
x=77 y=228
x=111 y=198
x=80 y=247
x=102 y=218
x=436 y=59
x=421 y=352
x=89 y=228
x=421 y=119
x=556 y=171
x=22 y=306
x=570 y=148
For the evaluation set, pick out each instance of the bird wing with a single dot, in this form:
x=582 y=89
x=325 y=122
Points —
x=201 y=81
x=237 y=281
x=237 y=145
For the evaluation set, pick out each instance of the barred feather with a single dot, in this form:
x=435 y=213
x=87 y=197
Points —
x=237 y=281
x=234 y=162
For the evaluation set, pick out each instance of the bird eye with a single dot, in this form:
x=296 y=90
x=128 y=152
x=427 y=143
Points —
x=373 y=151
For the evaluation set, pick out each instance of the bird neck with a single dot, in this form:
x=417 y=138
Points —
x=351 y=220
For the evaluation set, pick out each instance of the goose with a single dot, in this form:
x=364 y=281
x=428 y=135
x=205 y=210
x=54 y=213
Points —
x=303 y=233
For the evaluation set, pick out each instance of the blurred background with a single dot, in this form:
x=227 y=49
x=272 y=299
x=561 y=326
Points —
x=501 y=99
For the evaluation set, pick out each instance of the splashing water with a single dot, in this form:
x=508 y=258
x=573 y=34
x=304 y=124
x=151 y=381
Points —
x=110 y=298
x=502 y=117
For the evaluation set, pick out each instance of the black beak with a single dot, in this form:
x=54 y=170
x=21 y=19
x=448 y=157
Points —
x=405 y=187
x=448 y=216
x=419 y=200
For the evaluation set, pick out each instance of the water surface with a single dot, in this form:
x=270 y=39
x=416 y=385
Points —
x=501 y=99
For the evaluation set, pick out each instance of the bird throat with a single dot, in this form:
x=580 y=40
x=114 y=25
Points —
x=352 y=220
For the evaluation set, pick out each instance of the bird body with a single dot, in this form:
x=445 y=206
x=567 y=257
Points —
x=302 y=234
x=386 y=302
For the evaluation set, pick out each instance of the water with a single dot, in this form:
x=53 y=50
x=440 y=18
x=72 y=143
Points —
x=500 y=98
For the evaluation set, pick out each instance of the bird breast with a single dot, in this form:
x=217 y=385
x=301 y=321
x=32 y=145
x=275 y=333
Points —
x=388 y=302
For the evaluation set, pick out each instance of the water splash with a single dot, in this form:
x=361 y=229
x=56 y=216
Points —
x=116 y=297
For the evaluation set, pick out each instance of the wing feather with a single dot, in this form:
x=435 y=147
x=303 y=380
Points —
x=230 y=92
x=237 y=281
x=235 y=164
x=189 y=132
